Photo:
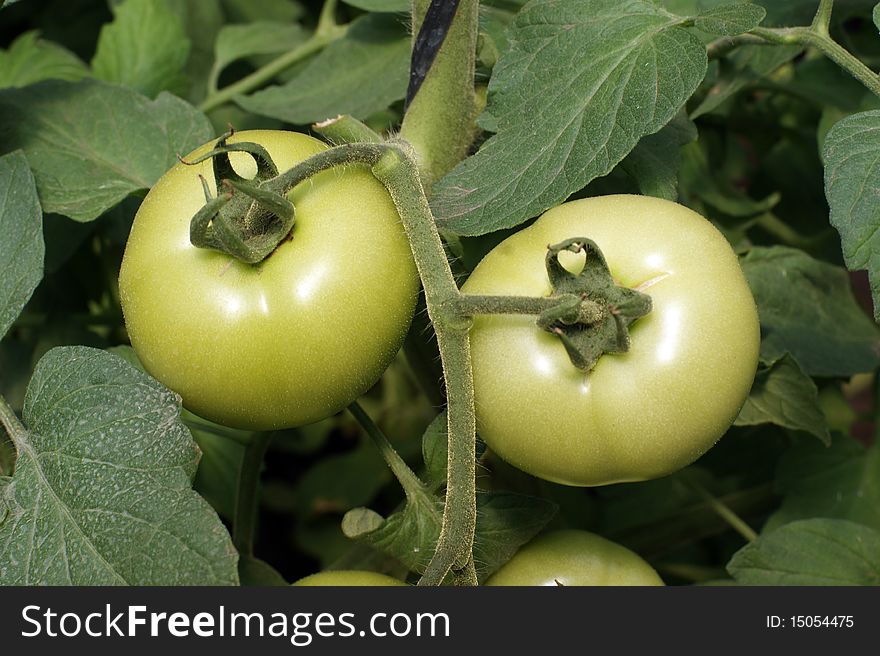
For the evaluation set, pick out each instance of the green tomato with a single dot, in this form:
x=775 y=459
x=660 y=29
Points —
x=354 y=577
x=634 y=416
x=574 y=558
x=292 y=339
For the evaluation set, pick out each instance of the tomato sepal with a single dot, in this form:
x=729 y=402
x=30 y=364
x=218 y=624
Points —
x=597 y=319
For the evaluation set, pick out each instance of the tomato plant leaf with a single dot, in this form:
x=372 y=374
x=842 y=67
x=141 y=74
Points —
x=730 y=20
x=102 y=487
x=145 y=48
x=852 y=186
x=222 y=451
x=253 y=571
x=222 y=454
x=745 y=66
x=21 y=248
x=807 y=308
x=83 y=161
x=435 y=450
x=236 y=42
x=784 y=395
x=839 y=482
x=409 y=535
x=655 y=161
x=505 y=522
x=30 y=59
x=699 y=182
x=360 y=74
x=876 y=16
x=340 y=482
x=249 y=11
x=380 y=5
x=811 y=552
x=629 y=68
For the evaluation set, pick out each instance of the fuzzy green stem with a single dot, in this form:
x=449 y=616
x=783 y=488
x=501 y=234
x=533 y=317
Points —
x=410 y=483
x=12 y=424
x=822 y=19
x=394 y=165
x=722 y=46
x=440 y=120
x=469 y=305
x=327 y=18
x=346 y=129
x=722 y=510
x=398 y=171
x=265 y=74
x=807 y=36
x=247 y=496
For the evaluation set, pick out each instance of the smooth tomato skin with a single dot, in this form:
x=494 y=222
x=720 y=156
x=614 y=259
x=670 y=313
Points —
x=293 y=339
x=573 y=557
x=352 y=577
x=638 y=415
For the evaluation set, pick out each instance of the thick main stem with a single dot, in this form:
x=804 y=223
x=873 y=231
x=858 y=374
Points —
x=395 y=167
x=440 y=119
x=399 y=173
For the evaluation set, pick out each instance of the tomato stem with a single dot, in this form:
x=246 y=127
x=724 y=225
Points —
x=721 y=509
x=318 y=41
x=816 y=36
x=411 y=484
x=244 y=523
x=440 y=118
x=11 y=423
x=394 y=165
x=822 y=19
x=346 y=129
x=471 y=304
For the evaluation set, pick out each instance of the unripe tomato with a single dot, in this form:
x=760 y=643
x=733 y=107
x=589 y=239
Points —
x=636 y=415
x=574 y=558
x=360 y=578
x=290 y=340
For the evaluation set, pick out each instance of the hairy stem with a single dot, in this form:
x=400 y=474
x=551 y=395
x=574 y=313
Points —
x=408 y=480
x=469 y=305
x=247 y=495
x=440 y=119
x=398 y=171
x=346 y=129
x=394 y=165
x=814 y=37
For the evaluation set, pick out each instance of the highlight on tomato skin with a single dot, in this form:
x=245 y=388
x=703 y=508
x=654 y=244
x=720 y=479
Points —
x=574 y=558
x=288 y=341
x=636 y=415
x=359 y=578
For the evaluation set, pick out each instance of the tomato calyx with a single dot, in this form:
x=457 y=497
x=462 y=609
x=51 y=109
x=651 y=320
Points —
x=598 y=324
x=248 y=218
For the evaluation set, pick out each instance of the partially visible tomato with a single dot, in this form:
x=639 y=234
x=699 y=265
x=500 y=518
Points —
x=292 y=339
x=360 y=578
x=637 y=415
x=574 y=558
